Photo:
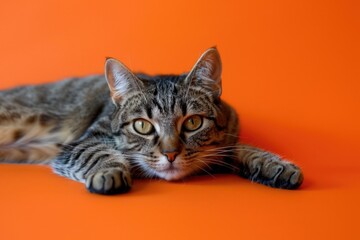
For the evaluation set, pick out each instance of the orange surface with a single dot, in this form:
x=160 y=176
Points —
x=291 y=68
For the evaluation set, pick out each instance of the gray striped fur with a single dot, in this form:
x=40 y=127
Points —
x=90 y=137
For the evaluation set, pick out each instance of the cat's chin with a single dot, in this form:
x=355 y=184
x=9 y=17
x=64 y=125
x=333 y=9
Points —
x=171 y=174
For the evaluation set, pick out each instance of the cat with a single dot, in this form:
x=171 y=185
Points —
x=104 y=131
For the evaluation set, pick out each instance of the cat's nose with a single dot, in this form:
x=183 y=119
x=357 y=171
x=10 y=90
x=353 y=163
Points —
x=171 y=155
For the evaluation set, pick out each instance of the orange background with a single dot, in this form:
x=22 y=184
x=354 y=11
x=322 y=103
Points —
x=291 y=69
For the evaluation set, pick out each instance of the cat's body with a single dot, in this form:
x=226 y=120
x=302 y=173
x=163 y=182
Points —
x=168 y=126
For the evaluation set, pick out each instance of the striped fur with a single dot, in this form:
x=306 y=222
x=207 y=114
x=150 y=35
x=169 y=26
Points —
x=91 y=137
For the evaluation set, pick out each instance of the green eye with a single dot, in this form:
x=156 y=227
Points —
x=193 y=123
x=143 y=127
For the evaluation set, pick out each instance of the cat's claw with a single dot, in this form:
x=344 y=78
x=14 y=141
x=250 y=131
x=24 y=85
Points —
x=109 y=181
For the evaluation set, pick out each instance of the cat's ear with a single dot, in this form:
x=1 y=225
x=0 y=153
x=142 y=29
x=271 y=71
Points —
x=120 y=79
x=206 y=73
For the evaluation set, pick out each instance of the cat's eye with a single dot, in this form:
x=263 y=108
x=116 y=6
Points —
x=143 y=127
x=193 y=123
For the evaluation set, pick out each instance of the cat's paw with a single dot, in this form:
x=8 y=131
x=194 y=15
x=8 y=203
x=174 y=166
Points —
x=109 y=181
x=278 y=174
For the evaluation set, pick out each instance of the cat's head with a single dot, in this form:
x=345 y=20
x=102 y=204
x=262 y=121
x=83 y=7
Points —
x=169 y=125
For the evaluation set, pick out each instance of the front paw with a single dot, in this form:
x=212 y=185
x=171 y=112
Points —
x=278 y=174
x=109 y=181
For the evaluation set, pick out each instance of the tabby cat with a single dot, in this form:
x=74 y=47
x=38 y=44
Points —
x=105 y=130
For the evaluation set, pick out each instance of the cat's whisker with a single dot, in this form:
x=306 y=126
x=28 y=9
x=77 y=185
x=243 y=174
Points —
x=236 y=146
x=202 y=161
x=231 y=149
x=220 y=163
x=231 y=135
x=204 y=170
x=217 y=161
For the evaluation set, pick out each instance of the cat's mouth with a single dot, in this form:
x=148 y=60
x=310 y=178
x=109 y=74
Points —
x=170 y=169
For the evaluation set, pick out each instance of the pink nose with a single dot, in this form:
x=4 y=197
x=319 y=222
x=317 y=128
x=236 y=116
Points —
x=170 y=156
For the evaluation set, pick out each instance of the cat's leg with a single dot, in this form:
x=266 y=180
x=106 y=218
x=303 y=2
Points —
x=267 y=168
x=95 y=161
